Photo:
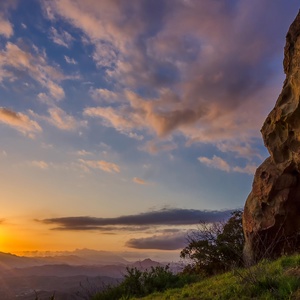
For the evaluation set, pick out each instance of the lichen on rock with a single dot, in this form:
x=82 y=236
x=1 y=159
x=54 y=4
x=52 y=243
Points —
x=271 y=219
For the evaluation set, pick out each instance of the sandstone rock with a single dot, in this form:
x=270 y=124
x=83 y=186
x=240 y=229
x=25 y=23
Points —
x=271 y=219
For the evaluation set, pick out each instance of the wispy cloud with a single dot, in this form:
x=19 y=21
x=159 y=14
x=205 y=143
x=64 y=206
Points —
x=105 y=55
x=60 y=119
x=161 y=217
x=19 y=121
x=104 y=95
x=3 y=153
x=215 y=162
x=14 y=59
x=220 y=164
x=100 y=164
x=139 y=181
x=160 y=242
x=83 y=153
x=62 y=37
x=6 y=28
x=154 y=146
x=244 y=149
x=112 y=118
x=70 y=60
x=248 y=169
x=40 y=164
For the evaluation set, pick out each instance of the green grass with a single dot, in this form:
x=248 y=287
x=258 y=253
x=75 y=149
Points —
x=278 y=279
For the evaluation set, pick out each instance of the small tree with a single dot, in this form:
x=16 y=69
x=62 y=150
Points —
x=216 y=247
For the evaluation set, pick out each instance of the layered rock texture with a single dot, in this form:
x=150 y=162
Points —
x=271 y=218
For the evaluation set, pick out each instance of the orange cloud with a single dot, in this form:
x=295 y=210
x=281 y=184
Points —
x=219 y=163
x=215 y=162
x=60 y=119
x=154 y=147
x=248 y=169
x=101 y=164
x=19 y=121
x=40 y=164
x=205 y=87
x=62 y=38
x=35 y=65
x=83 y=153
x=104 y=95
x=113 y=117
x=6 y=28
x=139 y=181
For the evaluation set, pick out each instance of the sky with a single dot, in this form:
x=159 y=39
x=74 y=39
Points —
x=124 y=124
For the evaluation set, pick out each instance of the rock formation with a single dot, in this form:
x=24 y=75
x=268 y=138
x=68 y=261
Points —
x=271 y=219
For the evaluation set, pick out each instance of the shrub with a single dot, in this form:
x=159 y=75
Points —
x=215 y=248
x=139 y=283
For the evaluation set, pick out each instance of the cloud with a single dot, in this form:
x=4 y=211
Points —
x=60 y=119
x=220 y=164
x=153 y=147
x=111 y=117
x=98 y=21
x=244 y=150
x=135 y=136
x=62 y=37
x=153 y=218
x=215 y=162
x=140 y=114
x=40 y=164
x=106 y=229
x=83 y=153
x=139 y=181
x=3 y=153
x=19 y=121
x=13 y=59
x=46 y=146
x=159 y=242
x=105 y=54
x=205 y=84
x=6 y=28
x=104 y=95
x=70 y=60
x=248 y=169
x=100 y=164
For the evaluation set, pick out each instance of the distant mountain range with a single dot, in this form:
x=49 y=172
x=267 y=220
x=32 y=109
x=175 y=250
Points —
x=77 y=257
x=66 y=273
x=107 y=256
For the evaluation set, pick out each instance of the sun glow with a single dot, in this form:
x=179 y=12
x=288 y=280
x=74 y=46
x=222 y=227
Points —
x=4 y=240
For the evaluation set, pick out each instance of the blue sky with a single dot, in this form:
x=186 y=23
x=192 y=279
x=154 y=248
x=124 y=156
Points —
x=120 y=108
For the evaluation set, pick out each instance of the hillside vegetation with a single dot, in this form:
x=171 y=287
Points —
x=278 y=279
x=215 y=271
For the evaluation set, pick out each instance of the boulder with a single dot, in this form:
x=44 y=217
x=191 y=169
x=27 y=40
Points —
x=271 y=219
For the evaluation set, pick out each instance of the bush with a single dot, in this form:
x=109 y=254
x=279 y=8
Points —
x=139 y=283
x=215 y=248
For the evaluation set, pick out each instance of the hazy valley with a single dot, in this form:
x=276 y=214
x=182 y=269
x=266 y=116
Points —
x=71 y=275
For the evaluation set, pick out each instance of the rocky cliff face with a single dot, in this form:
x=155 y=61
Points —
x=271 y=218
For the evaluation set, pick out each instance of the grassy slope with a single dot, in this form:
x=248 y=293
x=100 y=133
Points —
x=279 y=279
